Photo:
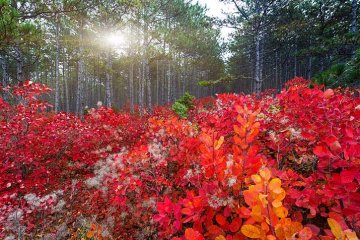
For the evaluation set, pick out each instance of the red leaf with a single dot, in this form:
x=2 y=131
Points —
x=215 y=230
x=235 y=225
x=220 y=219
x=191 y=234
x=347 y=176
x=315 y=229
x=349 y=132
x=322 y=151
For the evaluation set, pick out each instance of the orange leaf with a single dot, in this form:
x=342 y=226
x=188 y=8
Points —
x=266 y=174
x=239 y=109
x=187 y=211
x=329 y=93
x=256 y=213
x=250 y=231
x=250 y=197
x=218 y=143
x=241 y=131
x=206 y=139
x=191 y=234
x=281 y=212
x=215 y=230
x=270 y=237
x=241 y=120
x=90 y=234
x=220 y=219
x=335 y=228
x=265 y=227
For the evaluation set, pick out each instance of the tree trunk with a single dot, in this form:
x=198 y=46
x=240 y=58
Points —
x=139 y=87
x=148 y=84
x=66 y=79
x=295 y=61
x=108 y=81
x=57 y=77
x=131 y=86
x=5 y=73
x=19 y=65
x=157 y=82
x=309 y=66
x=80 y=84
x=163 y=81
x=276 y=71
x=169 y=82
x=257 y=85
x=354 y=7
x=185 y=77
x=142 y=86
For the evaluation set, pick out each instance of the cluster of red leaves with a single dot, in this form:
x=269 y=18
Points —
x=262 y=167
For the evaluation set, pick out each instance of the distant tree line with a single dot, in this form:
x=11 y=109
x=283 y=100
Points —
x=167 y=48
x=276 y=40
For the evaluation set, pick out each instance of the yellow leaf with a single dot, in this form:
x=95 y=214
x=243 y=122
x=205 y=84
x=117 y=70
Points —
x=279 y=196
x=350 y=235
x=220 y=237
x=276 y=203
x=263 y=199
x=265 y=174
x=218 y=143
x=256 y=178
x=256 y=213
x=335 y=228
x=250 y=231
x=275 y=185
x=281 y=212
x=270 y=237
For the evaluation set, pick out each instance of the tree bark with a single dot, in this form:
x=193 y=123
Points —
x=185 y=76
x=148 y=84
x=139 y=87
x=57 y=77
x=142 y=85
x=66 y=79
x=157 y=82
x=80 y=84
x=5 y=73
x=354 y=7
x=258 y=40
x=108 y=85
x=131 y=86
x=309 y=66
x=257 y=85
x=295 y=60
x=19 y=65
x=169 y=82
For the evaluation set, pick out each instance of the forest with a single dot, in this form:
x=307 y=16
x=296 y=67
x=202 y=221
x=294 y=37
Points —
x=140 y=119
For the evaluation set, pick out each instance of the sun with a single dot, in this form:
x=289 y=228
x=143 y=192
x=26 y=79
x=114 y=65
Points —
x=114 y=39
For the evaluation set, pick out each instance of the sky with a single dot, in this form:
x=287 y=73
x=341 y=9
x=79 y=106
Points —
x=218 y=9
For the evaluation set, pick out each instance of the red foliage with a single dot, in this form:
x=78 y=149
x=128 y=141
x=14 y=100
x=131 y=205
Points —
x=266 y=167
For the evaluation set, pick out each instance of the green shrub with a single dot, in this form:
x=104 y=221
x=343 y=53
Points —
x=183 y=105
